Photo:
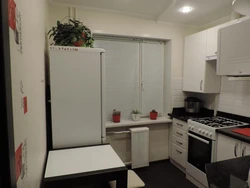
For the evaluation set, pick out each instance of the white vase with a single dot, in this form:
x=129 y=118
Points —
x=136 y=117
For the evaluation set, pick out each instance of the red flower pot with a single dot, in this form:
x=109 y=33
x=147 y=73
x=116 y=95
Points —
x=80 y=42
x=153 y=115
x=116 y=118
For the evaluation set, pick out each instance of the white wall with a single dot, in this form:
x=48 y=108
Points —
x=28 y=68
x=116 y=24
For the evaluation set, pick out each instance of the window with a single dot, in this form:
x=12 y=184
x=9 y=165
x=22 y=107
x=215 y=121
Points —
x=134 y=75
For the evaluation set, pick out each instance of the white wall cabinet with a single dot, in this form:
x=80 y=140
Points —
x=199 y=75
x=230 y=148
x=179 y=142
x=212 y=41
x=234 y=48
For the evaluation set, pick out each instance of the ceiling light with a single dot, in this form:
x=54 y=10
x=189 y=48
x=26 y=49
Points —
x=186 y=9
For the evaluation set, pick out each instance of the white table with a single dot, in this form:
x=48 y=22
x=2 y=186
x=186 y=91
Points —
x=85 y=165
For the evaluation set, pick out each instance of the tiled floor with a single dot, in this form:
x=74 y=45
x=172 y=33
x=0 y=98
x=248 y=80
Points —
x=163 y=175
x=160 y=175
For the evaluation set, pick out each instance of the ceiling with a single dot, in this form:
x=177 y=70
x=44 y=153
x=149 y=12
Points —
x=205 y=11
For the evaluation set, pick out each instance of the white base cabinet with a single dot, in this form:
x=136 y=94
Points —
x=179 y=142
x=230 y=148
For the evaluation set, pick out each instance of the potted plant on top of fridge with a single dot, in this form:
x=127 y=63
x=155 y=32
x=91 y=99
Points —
x=71 y=34
x=153 y=115
x=136 y=115
x=116 y=116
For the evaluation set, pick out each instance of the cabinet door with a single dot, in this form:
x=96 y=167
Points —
x=212 y=42
x=234 y=48
x=227 y=148
x=245 y=150
x=194 y=62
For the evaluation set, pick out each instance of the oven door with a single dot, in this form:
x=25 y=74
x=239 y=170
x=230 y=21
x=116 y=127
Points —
x=200 y=150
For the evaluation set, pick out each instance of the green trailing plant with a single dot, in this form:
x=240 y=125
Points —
x=71 y=34
x=135 y=112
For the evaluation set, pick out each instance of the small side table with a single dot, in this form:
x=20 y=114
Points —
x=83 y=166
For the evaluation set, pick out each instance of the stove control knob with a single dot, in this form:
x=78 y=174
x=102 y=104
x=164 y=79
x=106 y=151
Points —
x=192 y=127
x=199 y=130
x=206 y=133
x=189 y=127
x=203 y=131
x=210 y=134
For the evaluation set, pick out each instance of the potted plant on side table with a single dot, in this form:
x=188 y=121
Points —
x=116 y=116
x=136 y=115
x=153 y=115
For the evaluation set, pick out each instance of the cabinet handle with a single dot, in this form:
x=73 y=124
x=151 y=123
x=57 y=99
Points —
x=179 y=124
x=243 y=151
x=235 y=149
x=178 y=142
x=201 y=85
x=178 y=151
x=179 y=133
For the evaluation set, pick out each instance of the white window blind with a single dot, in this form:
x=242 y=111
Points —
x=152 y=77
x=134 y=75
x=122 y=76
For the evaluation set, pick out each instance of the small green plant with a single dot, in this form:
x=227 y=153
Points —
x=71 y=34
x=116 y=112
x=135 y=112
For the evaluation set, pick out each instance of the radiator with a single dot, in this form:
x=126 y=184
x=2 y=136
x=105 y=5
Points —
x=139 y=147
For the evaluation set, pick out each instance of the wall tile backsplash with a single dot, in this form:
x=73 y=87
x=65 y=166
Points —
x=178 y=96
x=234 y=97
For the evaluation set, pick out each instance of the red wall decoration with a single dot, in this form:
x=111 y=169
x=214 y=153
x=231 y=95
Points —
x=18 y=156
x=12 y=14
x=25 y=105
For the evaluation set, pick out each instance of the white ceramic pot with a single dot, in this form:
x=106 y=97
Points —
x=136 y=117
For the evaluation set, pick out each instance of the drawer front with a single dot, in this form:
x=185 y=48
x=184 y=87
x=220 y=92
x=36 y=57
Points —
x=180 y=133
x=179 y=155
x=179 y=142
x=180 y=124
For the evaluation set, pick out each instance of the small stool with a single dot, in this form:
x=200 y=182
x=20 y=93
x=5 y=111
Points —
x=134 y=181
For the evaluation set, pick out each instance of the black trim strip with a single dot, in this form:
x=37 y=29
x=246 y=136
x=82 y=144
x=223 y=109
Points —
x=120 y=176
x=7 y=148
x=84 y=174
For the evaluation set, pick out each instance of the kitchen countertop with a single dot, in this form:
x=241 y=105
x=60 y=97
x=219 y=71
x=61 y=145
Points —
x=228 y=132
x=181 y=114
x=228 y=174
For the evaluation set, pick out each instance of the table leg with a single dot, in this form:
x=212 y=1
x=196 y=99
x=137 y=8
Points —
x=122 y=180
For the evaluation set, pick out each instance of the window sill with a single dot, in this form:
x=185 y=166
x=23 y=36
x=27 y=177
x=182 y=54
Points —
x=142 y=121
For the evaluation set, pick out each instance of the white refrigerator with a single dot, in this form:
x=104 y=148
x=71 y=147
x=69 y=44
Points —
x=77 y=96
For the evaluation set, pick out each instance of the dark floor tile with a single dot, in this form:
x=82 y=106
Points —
x=163 y=175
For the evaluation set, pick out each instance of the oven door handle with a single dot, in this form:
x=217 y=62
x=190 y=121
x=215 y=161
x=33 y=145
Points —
x=198 y=138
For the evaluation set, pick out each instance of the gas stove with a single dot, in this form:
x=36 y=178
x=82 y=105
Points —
x=207 y=126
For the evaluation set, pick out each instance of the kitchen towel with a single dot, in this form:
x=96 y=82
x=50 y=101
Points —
x=139 y=147
x=243 y=131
